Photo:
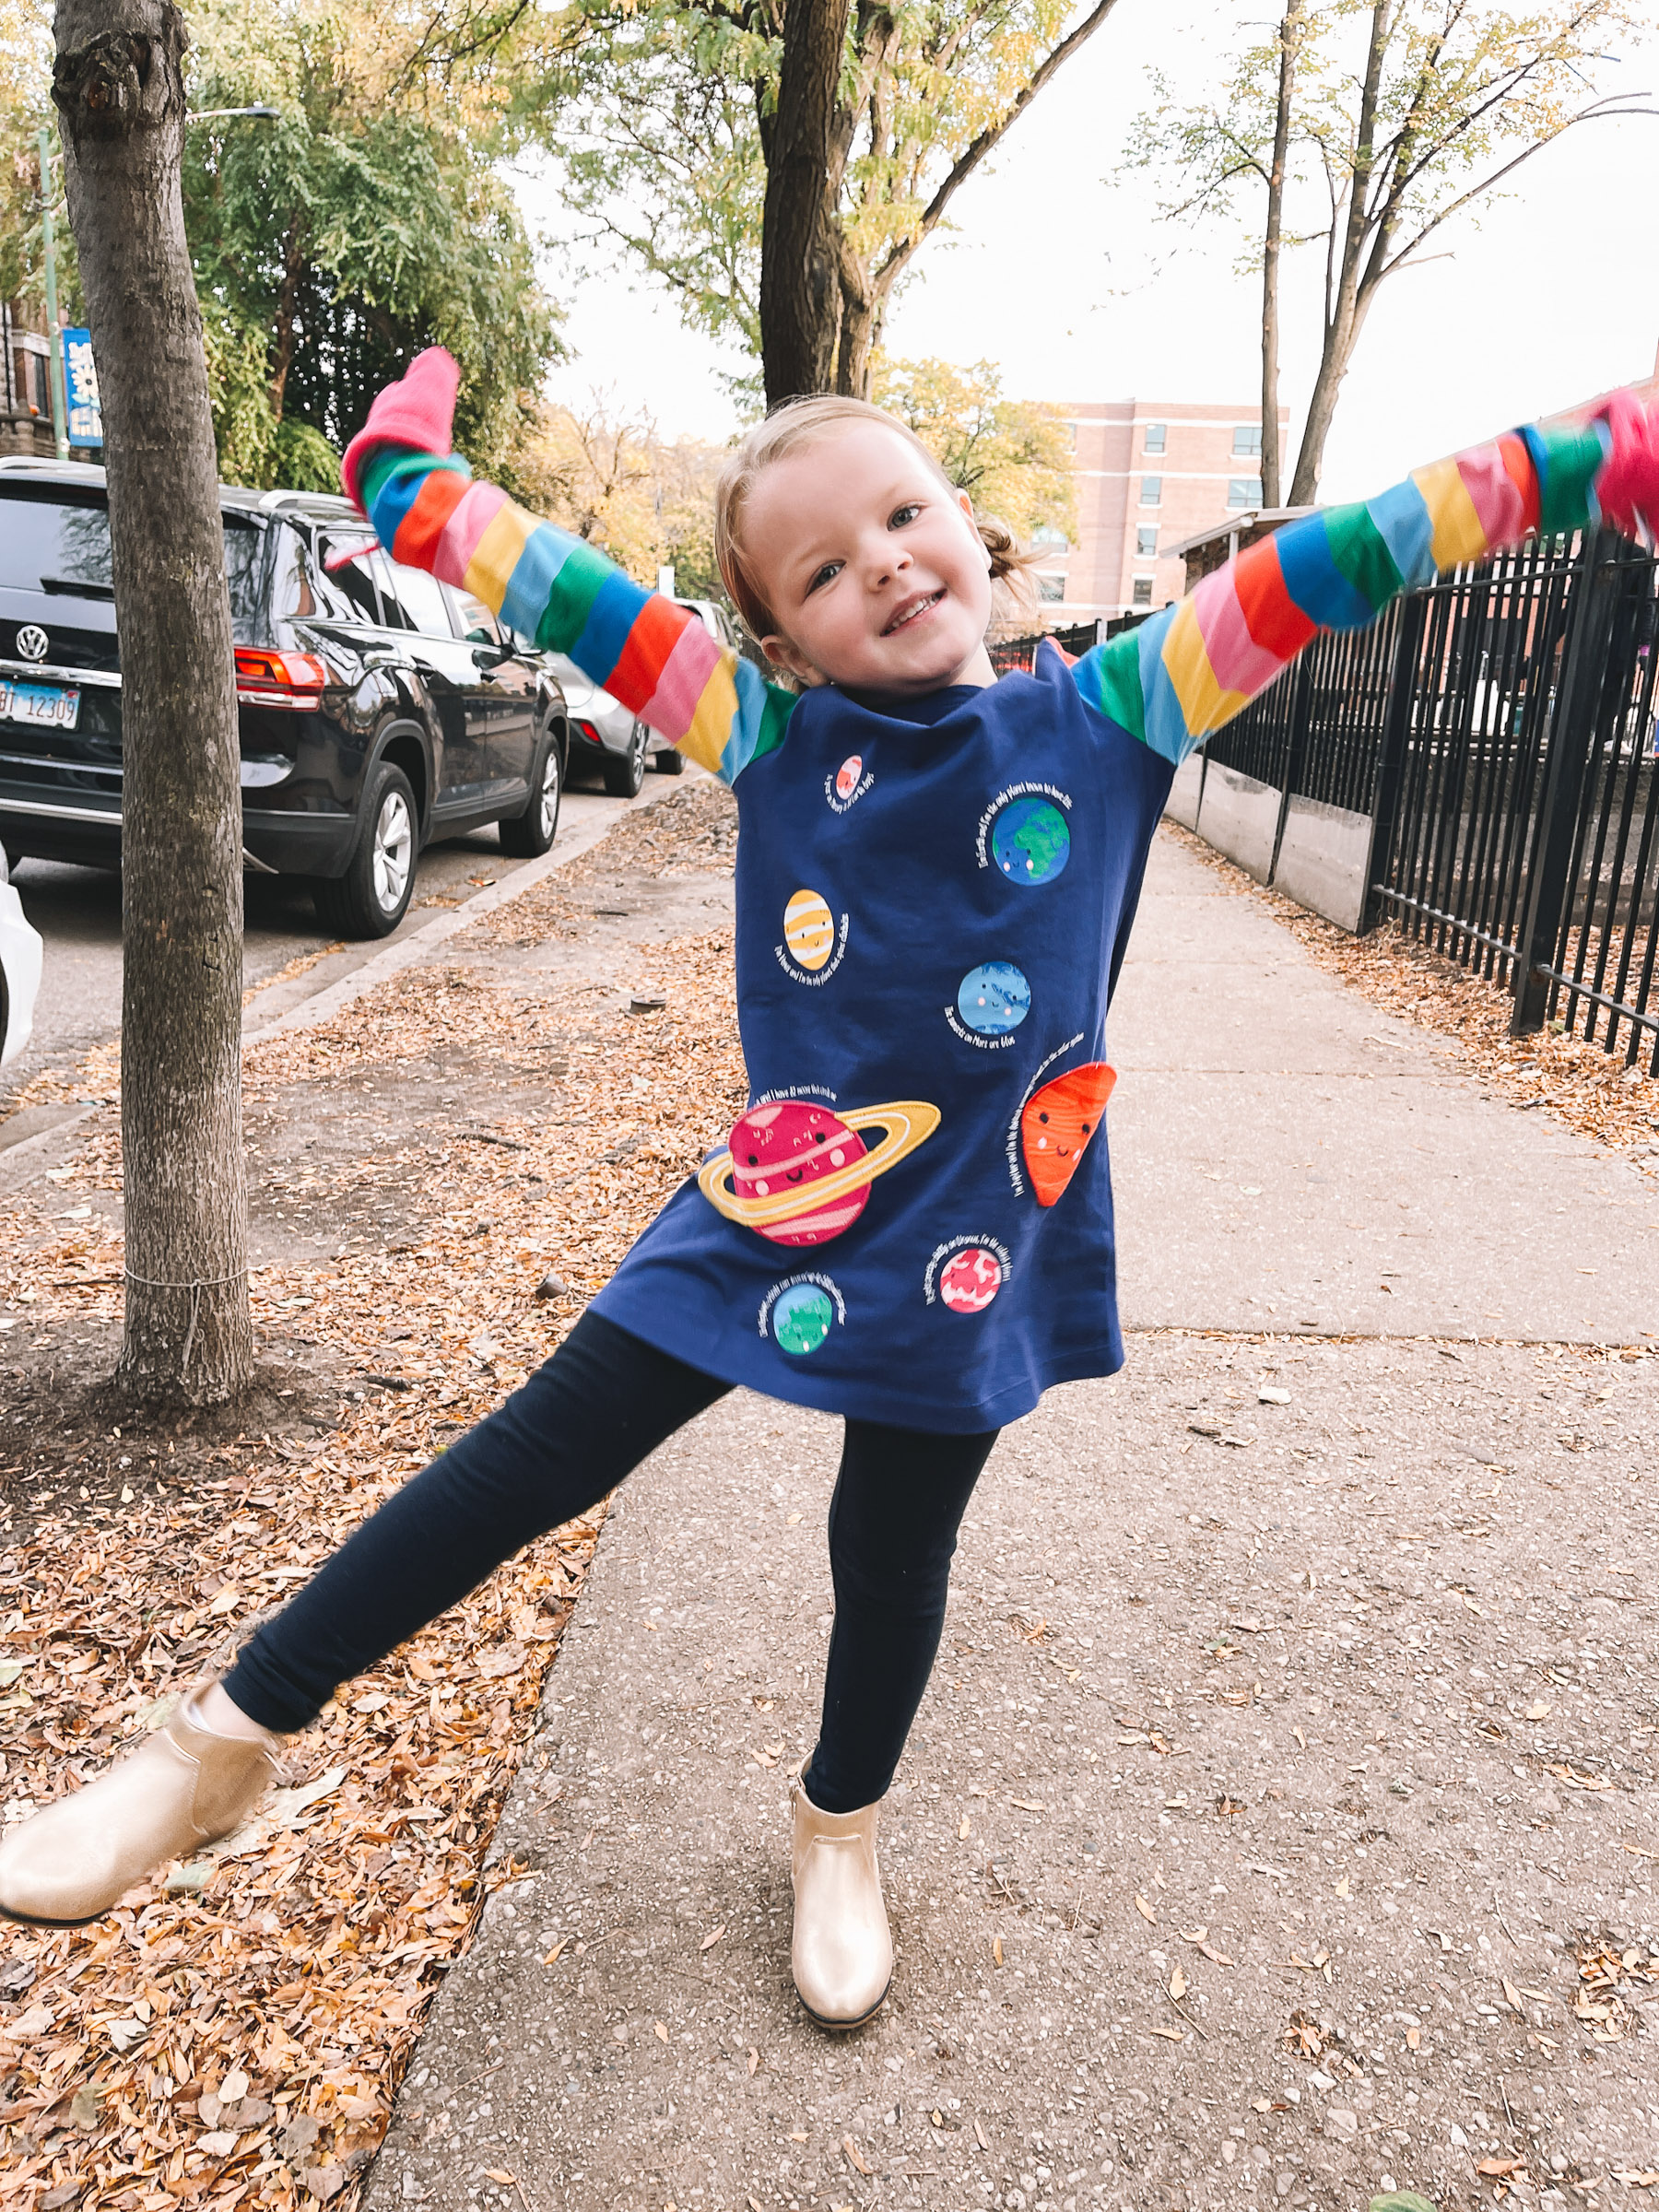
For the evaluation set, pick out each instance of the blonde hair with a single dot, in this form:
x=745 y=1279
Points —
x=790 y=425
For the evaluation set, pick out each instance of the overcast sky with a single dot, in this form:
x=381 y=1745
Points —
x=1067 y=279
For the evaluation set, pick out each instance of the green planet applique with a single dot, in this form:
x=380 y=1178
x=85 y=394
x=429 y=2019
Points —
x=801 y=1318
x=1030 y=843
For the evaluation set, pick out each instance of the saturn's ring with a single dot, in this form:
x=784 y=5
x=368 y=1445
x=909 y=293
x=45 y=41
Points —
x=909 y=1124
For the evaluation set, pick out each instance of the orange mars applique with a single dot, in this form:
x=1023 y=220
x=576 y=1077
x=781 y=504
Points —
x=1056 y=1125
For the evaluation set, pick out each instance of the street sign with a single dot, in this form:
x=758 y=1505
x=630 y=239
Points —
x=80 y=380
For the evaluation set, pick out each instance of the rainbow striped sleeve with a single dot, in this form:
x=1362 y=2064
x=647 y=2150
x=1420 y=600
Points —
x=655 y=657
x=1197 y=663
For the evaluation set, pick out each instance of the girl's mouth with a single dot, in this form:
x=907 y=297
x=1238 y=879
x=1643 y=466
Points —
x=911 y=609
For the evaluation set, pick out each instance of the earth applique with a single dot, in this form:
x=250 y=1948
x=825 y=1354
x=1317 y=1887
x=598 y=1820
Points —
x=1056 y=1123
x=847 y=775
x=993 y=998
x=1030 y=842
x=802 y=1317
x=800 y=1174
x=968 y=1282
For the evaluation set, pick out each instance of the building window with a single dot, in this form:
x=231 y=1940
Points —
x=1247 y=440
x=1146 y=541
x=1051 y=590
x=1244 y=491
x=1142 y=591
x=1046 y=534
x=1151 y=491
x=1155 y=433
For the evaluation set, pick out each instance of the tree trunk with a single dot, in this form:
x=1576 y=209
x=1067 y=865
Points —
x=118 y=86
x=1290 y=32
x=800 y=295
x=1345 y=305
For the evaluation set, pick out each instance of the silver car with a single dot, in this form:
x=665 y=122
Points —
x=19 y=968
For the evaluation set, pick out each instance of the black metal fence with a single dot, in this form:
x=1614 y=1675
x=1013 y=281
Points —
x=1499 y=729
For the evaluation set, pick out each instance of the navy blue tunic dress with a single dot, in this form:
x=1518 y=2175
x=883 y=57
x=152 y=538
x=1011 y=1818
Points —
x=913 y=1224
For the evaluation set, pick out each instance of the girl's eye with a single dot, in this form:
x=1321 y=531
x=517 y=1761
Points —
x=826 y=574
x=900 y=515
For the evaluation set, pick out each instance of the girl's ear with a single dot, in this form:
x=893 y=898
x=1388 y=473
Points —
x=966 y=504
x=783 y=654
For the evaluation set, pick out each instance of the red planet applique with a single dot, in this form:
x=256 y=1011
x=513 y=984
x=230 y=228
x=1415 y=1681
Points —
x=1056 y=1125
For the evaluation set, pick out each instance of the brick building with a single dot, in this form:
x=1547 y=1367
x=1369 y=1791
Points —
x=1150 y=474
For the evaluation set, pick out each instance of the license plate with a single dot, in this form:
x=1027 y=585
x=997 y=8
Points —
x=47 y=706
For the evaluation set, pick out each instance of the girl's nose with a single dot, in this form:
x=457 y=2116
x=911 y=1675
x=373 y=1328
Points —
x=887 y=559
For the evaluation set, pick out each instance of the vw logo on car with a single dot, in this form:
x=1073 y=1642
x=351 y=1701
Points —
x=32 y=642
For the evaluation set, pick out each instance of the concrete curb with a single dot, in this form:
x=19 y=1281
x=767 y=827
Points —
x=412 y=950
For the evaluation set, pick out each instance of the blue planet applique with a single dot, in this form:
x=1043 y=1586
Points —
x=801 y=1318
x=1030 y=842
x=995 y=998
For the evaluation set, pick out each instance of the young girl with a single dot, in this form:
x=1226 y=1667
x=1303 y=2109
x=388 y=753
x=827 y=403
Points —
x=912 y=1224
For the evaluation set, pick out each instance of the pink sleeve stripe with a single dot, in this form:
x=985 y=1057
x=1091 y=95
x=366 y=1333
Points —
x=462 y=533
x=1238 y=663
x=685 y=675
x=1495 y=496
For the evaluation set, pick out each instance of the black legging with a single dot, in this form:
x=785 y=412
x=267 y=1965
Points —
x=580 y=1424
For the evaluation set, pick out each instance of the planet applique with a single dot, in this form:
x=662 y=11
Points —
x=993 y=998
x=800 y=1174
x=847 y=775
x=970 y=1281
x=1030 y=842
x=810 y=929
x=1057 y=1122
x=801 y=1318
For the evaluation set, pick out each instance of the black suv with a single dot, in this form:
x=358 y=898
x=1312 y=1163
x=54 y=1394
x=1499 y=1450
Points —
x=378 y=708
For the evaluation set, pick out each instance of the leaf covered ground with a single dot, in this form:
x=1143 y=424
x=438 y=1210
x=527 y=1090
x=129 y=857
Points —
x=233 y=2034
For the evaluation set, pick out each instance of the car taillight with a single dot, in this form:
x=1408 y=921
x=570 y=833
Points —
x=268 y=679
x=587 y=731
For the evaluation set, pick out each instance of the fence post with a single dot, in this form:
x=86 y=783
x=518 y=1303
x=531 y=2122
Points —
x=1296 y=750
x=1391 y=753
x=1573 y=728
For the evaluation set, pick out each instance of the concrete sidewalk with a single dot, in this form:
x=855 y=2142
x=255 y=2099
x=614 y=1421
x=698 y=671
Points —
x=1291 y=1760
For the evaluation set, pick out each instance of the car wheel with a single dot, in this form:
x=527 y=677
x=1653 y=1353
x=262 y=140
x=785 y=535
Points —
x=372 y=897
x=531 y=834
x=625 y=773
x=670 y=761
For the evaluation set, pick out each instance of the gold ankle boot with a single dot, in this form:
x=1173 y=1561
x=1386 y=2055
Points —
x=182 y=1788
x=843 y=1954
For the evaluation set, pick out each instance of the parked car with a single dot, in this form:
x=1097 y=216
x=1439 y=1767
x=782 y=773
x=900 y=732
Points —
x=377 y=708
x=19 y=968
x=605 y=735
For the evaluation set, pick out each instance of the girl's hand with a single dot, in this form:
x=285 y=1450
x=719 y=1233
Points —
x=415 y=411
x=1627 y=488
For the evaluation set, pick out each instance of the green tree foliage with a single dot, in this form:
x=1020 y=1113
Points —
x=330 y=246
x=1398 y=116
x=25 y=105
x=662 y=116
x=1012 y=458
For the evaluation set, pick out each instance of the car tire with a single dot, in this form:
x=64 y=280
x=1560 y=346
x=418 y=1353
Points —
x=670 y=761
x=531 y=834
x=372 y=897
x=625 y=773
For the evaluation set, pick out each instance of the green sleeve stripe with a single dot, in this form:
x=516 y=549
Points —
x=573 y=591
x=1360 y=554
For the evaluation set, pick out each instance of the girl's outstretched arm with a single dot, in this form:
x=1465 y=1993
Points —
x=652 y=656
x=1197 y=663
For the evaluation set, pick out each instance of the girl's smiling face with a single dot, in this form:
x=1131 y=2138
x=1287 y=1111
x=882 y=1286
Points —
x=871 y=565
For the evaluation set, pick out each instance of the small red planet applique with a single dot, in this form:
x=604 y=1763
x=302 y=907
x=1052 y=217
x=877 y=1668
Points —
x=968 y=1282
x=1057 y=1122
x=847 y=775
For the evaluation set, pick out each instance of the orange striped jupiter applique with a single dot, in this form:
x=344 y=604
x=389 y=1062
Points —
x=1057 y=1122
